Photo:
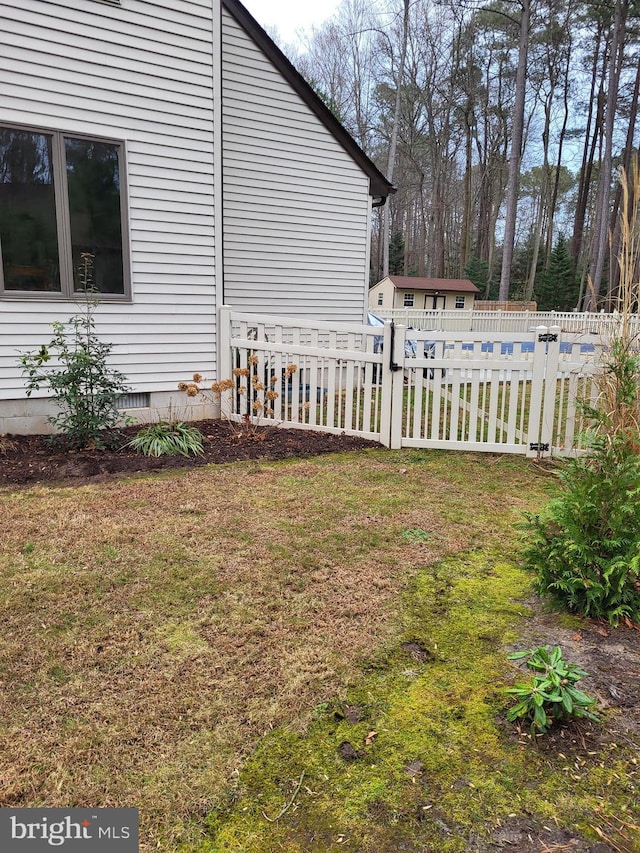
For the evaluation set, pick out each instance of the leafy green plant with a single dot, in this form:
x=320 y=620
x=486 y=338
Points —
x=585 y=545
x=167 y=438
x=551 y=694
x=74 y=367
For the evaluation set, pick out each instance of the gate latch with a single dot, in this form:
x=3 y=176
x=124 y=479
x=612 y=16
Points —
x=541 y=447
x=392 y=364
x=547 y=338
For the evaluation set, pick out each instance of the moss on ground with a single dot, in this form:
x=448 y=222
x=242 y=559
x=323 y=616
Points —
x=430 y=762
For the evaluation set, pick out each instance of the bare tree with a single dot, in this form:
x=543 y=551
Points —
x=517 y=128
x=393 y=142
x=600 y=240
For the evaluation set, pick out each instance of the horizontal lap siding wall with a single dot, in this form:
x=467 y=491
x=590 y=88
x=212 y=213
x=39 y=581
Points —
x=140 y=72
x=296 y=206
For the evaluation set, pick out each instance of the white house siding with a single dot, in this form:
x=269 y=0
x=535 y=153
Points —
x=141 y=72
x=296 y=206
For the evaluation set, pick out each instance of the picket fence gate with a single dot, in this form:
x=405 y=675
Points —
x=498 y=392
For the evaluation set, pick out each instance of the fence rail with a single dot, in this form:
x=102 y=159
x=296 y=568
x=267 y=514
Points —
x=518 y=322
x=471 y=390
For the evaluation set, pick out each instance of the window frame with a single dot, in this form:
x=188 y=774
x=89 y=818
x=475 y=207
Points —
x=405 y=300
x=464 y=302
x=380 y=298
x=63 y=220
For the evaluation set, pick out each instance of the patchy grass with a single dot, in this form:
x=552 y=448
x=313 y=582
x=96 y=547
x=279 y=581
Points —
x=189 y=644
x=432 y=760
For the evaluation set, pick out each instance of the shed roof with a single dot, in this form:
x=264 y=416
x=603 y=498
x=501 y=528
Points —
x=409 y=282
x=378 y=184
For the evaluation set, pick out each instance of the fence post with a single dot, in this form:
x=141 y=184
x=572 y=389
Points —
x=552 y=363
x=386 y=380
x=396 y=368
x=537 y=386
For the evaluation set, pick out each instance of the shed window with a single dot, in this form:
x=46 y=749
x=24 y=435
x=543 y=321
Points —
x=61 y=197
x=460 y=301
x=408 y=300
x=380 y=298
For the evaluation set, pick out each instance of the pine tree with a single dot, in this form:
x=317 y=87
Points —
x=557 y=288
x=477 y=271
x=396 y=254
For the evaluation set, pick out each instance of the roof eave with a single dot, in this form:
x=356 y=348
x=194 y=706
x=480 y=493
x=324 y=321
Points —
x=379 y=186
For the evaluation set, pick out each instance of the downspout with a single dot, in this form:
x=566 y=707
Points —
x=218 y=205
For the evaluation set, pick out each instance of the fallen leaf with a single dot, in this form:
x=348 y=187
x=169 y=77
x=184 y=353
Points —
x=370 y=738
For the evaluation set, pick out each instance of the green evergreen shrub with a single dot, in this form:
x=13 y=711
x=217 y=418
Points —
x=74 y=367
x=585 y=545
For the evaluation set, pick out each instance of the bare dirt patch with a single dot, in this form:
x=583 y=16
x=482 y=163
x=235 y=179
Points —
x=39 y=459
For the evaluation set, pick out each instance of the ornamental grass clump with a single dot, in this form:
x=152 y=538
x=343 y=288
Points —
x=585 y=545
x=6 y=444
x=551 y=694
x=168 y=438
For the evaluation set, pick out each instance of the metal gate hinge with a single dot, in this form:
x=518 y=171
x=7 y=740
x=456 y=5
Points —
x=540 y=447
x=547 y=338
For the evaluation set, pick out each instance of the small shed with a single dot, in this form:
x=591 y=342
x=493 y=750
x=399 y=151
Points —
x=422 y=294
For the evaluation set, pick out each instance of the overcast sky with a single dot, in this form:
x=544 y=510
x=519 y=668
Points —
x=290 y=15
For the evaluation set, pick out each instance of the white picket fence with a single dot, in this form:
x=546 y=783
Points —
x=497 y=392
x=518 y=322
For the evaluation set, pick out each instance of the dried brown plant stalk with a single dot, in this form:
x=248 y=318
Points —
x=617 y=401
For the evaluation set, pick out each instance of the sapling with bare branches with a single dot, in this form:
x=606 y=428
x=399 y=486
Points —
x=246 y=398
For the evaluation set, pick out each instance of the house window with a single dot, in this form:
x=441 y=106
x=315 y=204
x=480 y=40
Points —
x=380 y=298
x=408 y=300
x=460 y=301
x=61 y=196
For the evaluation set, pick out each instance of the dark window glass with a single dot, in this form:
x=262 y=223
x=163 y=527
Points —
x=93 y=179
x=28 y=232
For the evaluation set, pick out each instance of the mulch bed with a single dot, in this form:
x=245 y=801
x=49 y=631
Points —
x=26 y=459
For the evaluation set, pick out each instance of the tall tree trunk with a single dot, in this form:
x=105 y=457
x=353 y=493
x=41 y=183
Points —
x=537 y=239
x=393 y=142
x=465 y=235
x=600 y=242
x=516 y=151
x=556 y=180
x=588 y=151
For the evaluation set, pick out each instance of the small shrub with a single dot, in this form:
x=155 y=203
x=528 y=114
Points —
x=84 y=387
x=168 y=439
x=551 y=694
x=585 y=545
